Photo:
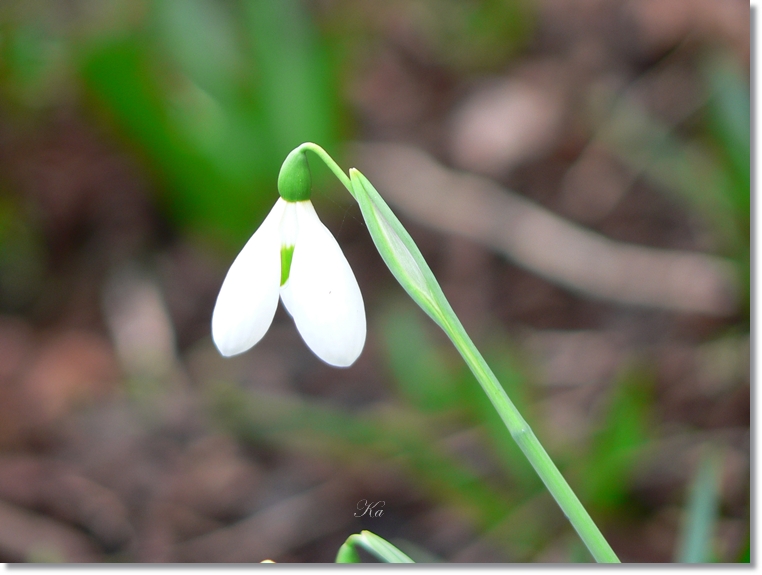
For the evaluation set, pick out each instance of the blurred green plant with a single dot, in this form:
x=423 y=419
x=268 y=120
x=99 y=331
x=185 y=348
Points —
x=33 y=59
x=393 y=433
x=215 y=94
x=613 y=450
x=505 y=500
x=487 y=32
x=709 y=172
x=436 y=382
x=22 y=257
x=210 y=94
x=696 y=543
x=432 y=381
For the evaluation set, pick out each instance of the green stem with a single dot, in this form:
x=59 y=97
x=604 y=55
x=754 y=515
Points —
x=531 y=446
x=328 y=160
x=444 y=315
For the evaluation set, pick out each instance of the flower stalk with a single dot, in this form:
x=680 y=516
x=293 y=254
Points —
x=405 y=261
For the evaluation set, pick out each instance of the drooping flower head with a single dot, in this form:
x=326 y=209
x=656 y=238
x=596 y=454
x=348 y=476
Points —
x=292 y=256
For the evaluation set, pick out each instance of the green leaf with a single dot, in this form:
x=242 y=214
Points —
x=745 y=555
x=696 y=541
x=200 y=36
x=615 y=447
x=347 y=553
x=22 y=257
x=729 y=114
x=295 y=79
x=373 y=544
x=199 y=192
x=424 y=373
x=685 y=168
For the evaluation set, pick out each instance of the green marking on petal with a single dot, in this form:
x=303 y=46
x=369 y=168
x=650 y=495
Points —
x=286 y=255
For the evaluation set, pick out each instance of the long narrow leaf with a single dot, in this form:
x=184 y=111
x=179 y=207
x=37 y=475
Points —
x=373 y=544
x=701 y=516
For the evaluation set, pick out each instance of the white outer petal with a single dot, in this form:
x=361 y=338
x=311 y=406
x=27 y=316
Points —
x=248 y=297
x=322 y=293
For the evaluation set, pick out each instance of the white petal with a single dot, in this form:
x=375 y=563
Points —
x=249 y=295
x=322 y=293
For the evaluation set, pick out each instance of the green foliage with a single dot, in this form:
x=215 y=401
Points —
x=605 y=469
x=32 y=63
x=745 y=555
x=201 y=191
x=729 y=124
x=373 y=544
x=215 y=95
x=696 y=541
x=687 y=169
x=295 y=77
x=433 y=380
x=348 y=554
x=486 y=32
x=710 y=172
x=729 y=128
x=425 y=375
x=22 y=257
x=443 y=398
x=399 y=436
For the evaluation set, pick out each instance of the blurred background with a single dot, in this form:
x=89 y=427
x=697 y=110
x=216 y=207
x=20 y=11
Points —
x=577 y=174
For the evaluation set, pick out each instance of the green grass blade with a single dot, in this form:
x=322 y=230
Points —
x=701 y=516
x=348 y=553
x=373 y=544
x=392 y=434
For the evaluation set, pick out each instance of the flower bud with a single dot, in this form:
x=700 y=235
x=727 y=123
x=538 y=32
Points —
x=294 y=180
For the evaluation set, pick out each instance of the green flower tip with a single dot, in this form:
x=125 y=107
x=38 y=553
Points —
x=294 y=180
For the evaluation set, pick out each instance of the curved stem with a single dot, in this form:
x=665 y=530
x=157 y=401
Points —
x=328 y=160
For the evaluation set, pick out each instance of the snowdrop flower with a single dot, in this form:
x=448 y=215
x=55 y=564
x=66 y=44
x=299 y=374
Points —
x=294 y=256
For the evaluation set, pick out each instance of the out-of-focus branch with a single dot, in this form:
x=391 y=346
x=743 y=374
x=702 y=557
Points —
x=538 y=240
